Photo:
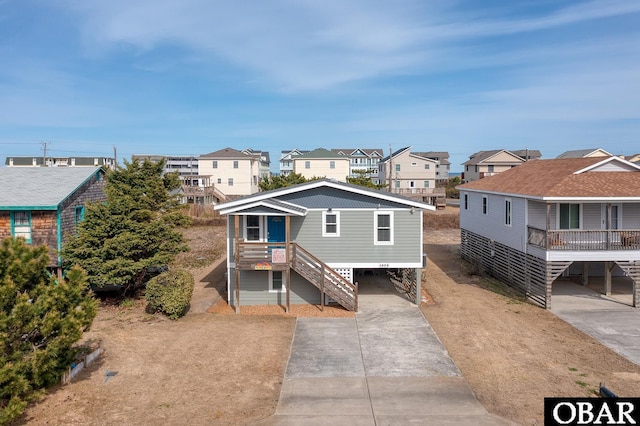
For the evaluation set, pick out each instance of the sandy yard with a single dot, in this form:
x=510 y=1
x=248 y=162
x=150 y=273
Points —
x=222 y=368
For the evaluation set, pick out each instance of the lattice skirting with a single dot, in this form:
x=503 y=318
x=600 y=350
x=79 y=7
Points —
x=528 y=274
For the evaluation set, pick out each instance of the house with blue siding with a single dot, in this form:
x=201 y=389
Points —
x=533 y=223
x=305 y=243
x=43 y=205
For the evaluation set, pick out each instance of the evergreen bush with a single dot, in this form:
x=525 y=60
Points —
x=170 y=293
x=40 y=320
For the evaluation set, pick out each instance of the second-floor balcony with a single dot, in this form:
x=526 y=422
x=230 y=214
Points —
x=584 y=240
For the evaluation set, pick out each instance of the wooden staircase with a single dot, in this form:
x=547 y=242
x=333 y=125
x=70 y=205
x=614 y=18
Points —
x=324 y=277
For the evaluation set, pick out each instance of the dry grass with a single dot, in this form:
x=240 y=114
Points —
x=447 y=218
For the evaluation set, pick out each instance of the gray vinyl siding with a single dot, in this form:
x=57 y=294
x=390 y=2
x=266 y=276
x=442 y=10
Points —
x=492 y=225
x=254 y=290
x=631 y=216
x=356 y=241
x=591 y=216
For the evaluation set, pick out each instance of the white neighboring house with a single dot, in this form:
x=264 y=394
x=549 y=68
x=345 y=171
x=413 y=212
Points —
x=530 y=224
x=362 y=159
x=410 y=173
x=322 y=163
x=233 y=172
x=286 y=160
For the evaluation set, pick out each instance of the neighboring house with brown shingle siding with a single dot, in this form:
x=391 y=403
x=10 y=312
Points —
x=530 y=224
x=44 y=204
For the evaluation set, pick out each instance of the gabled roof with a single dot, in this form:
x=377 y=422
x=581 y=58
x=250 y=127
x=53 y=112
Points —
x=353 y=151
x=394 y=154
x=42 y=188
x=483 y=156
x=320 y=153
x=590 y=177
x=589 y=152
x=323 y=193
x=440 y=156
x=527 y=154
x=229 y=153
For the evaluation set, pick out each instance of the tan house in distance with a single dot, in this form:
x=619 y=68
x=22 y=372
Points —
x=410 y=173
x=488 y=163
x=232 y=172
x=585 y=153
x=322 y=163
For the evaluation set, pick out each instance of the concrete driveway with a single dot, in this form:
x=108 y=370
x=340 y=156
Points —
x=606 y=319
x=386 y=366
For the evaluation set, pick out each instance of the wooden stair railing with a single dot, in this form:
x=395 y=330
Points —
x=324 y=277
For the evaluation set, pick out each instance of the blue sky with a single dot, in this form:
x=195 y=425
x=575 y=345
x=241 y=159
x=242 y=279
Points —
x=194 y=76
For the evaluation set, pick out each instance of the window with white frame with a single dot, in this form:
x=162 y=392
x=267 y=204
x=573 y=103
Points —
x=426 y=184
x=332 y=164
x=414 y=164
x=21 y=225
x=252 y=228
x=307 y=164
x=277 y=281
x=485 y=204
x=426 y=166
x=383 y=224
x=230 y=182
x=397 y=167
x=507 y=211
x=214 y=164
x=330 y=223
x=235 y=164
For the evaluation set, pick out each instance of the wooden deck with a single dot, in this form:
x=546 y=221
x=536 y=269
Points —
x=584 y=240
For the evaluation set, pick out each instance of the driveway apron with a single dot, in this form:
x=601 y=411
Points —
x=386 y=366
x=607 y=320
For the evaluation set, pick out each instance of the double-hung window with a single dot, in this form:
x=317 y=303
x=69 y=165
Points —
x=330 y=224
x=21 y=225
x=252 y=228
x=332 y=164
x=79 y=214
x=507 y=212
x=383 y=224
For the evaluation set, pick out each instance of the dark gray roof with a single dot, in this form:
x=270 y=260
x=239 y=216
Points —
x=41 y=187
x=320 y=153
x=395 y=153
x=325 y=193
x=527 y=154
x=483 y=155
x=577 y=153
x=441 y=156
x=323 y=198
x=226 y=153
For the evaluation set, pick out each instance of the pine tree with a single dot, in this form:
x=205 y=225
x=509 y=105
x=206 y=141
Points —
x=122 y=241
x=40 y=320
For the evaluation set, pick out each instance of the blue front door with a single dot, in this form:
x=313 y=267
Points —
x=275 y=229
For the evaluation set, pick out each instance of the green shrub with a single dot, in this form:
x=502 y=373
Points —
x=170 y=293
x=41 y=318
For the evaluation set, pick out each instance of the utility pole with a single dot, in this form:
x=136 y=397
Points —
x=44 y=155
x=115 y=158
x=390 y=169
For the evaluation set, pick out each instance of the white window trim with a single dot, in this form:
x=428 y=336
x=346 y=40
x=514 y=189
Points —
x=261 y=228
x=324 y=223
x=284 y=283
x=375 y=227
x=509 y=218
x=485 y=205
